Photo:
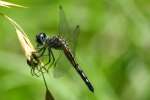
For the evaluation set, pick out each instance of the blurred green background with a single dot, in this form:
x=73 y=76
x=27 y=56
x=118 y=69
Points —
x=113 y=50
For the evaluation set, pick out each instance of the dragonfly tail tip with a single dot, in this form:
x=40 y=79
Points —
x=90 y=86
x=91 y=89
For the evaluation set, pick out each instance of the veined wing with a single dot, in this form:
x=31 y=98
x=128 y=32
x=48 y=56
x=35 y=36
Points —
x=75 y=35
x=63 y=28
x=70 y=36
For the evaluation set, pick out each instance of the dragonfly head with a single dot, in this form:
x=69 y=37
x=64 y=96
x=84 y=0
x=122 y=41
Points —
x=41 y=38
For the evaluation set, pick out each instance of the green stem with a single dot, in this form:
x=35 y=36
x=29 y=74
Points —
x=44 y=80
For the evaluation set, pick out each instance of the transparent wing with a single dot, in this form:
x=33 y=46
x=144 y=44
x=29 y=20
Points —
x=75 y=35
x=70 y=36
x=64 y=30
x=60 y=67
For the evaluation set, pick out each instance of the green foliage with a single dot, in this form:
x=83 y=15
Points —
x=113 y=50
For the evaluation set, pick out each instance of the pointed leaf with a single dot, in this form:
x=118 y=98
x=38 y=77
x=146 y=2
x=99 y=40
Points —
x=48 y=95
x=8 y=4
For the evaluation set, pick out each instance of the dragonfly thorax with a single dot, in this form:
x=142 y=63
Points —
x=56 y=42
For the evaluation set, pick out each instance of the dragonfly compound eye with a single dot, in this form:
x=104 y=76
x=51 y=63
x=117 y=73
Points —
x=40 y=38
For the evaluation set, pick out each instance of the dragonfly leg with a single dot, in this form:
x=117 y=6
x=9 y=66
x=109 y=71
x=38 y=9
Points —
x=40 y=52
x=38 y=49
x=36 y=73
x=57 y=60
x=53 y=58
x=33 y=72
x=49 y=59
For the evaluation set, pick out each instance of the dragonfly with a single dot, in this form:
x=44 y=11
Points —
x=59 y=42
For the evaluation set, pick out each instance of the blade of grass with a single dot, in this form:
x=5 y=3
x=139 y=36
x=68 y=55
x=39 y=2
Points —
x=9 y=5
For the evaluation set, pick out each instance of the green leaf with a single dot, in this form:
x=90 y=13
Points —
x=48 y=95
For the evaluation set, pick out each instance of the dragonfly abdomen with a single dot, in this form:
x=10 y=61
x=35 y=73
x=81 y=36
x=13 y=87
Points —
x=84 y=78
x=70 y=57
